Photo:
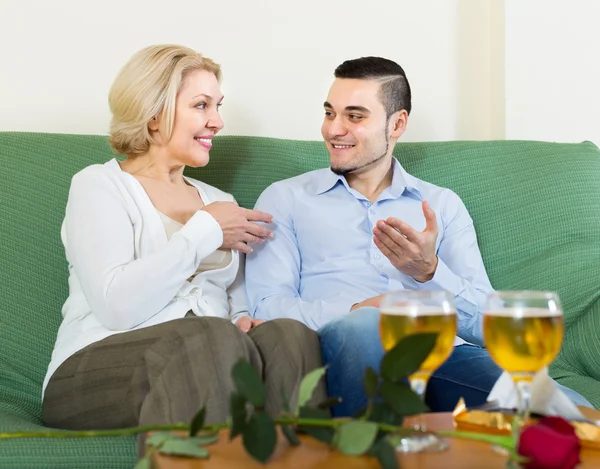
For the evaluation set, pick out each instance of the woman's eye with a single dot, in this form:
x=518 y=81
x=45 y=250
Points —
x=219 y=106
x=201 y=105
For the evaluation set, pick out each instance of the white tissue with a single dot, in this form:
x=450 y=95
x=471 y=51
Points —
x=546 y=397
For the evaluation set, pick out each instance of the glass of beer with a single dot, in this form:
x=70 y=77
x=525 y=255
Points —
x=523 y=333
x=406 y=312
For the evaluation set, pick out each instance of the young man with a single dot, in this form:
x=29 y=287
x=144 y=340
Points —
x=347 y=234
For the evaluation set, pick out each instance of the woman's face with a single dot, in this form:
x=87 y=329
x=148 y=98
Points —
x=197 y=120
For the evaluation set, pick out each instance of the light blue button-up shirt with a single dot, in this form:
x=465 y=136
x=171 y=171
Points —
x=322 y=259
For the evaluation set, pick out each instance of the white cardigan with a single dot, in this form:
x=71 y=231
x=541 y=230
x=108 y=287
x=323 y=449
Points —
x=123 y=272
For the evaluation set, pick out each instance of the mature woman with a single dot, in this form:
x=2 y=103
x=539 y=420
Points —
x=156 y=315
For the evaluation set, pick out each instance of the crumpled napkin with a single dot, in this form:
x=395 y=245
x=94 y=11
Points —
x=546 y=397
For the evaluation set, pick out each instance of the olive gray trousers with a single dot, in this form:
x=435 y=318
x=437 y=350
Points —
x=164 y=374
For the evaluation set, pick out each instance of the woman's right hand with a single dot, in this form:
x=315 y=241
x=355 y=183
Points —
x=245 y=323
x=238 y=225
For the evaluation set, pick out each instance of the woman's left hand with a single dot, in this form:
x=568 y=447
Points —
x=245 y=323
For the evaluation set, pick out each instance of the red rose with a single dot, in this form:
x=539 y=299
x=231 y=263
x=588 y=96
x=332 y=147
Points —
x=550 y=444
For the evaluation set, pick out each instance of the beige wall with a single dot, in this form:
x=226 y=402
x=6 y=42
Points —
x=462 y=57
x=552 y=70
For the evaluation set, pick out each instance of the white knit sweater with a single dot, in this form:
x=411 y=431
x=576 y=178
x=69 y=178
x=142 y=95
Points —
x=125 y=274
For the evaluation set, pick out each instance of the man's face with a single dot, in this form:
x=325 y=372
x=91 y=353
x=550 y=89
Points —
x=355 y=128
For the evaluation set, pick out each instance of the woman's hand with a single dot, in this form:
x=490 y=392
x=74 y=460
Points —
x=238 y=225
x=245 y=323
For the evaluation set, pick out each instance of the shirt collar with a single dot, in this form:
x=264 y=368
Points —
x=327 y=179
x=401 y=181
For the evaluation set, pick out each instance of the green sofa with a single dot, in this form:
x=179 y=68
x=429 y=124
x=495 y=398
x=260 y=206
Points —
x=536 y=208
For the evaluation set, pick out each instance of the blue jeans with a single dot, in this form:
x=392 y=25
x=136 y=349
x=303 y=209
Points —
x=351 y=344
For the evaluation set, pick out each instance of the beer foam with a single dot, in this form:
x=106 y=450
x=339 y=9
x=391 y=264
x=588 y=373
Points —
x=522 y=312
x=417 y=310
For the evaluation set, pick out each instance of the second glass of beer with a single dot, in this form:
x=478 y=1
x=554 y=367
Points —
x=408 y=312
x=523 y=332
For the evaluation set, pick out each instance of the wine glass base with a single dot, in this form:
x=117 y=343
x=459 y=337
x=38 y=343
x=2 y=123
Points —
x=426 y=443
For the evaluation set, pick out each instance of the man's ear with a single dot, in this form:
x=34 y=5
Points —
x=398 y=122
x=154 y=124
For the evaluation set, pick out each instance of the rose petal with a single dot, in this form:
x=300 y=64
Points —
x=558 y=424
x=572 y=461
x=548 y=449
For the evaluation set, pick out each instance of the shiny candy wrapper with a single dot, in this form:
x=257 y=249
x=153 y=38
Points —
x=499 y=423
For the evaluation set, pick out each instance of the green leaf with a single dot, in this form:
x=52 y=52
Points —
x=336 y=437
x=329 y=402
x=407 y=356
x=375 y=447
x=356 y=437
x=401 y=399
x=385 y=454
x=324 y=434
x=182 y=447
x=314 y=414
x=157 y=439
x=290 y=434
x=198 y=421
x=370 y=382
x=260 y=437
x=239 y=415
x=204 y=438
x=383 y=413
x=143 y=463
x=308 y=385
x=248 y=383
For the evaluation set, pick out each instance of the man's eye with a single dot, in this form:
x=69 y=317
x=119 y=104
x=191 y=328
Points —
x=328 y=113
x=355 y=116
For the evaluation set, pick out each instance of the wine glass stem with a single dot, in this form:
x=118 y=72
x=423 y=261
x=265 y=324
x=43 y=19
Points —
x=524 y=397
x=419 y=385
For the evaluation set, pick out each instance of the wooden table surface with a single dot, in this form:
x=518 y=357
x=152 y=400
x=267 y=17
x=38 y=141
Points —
x=461 y=454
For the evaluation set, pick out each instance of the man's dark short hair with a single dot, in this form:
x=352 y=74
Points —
x=394 y=91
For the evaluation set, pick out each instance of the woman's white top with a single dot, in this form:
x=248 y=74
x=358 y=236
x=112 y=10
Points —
x=217 y=260
x=125 y=273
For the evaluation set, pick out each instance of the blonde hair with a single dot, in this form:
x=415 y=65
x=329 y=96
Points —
x=147 y=87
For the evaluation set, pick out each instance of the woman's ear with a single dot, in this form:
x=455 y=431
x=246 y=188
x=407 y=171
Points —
x=154 y=124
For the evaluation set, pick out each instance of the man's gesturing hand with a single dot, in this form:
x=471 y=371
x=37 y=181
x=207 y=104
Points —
x=412 y=252
x=238 y=225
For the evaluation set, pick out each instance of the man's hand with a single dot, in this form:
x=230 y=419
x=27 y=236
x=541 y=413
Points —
x=245 y=323
x=375 y=301
x=410 y=251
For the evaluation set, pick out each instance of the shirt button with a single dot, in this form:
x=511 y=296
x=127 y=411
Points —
x=376 y=256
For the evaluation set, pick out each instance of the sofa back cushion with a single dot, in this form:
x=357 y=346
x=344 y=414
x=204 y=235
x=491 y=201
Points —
x=536 y=208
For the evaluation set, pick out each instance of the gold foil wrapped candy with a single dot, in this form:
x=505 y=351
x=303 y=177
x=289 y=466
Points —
x=497 y=423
